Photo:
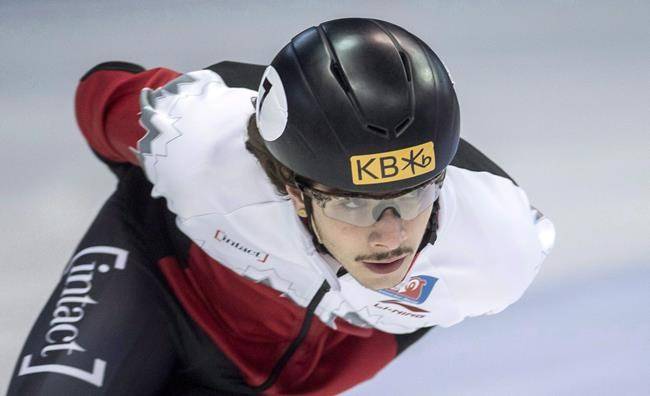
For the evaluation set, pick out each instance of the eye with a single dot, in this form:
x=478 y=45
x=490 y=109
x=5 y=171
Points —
x=413 y=194
x=353 y=203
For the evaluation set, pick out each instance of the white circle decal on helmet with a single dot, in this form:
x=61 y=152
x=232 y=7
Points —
x=271 y=112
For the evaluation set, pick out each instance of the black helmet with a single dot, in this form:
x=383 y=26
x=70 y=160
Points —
x=359 y=105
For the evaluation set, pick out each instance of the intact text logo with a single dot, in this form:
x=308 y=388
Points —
x=75 y=299
x=392 y=165
x=259 y=255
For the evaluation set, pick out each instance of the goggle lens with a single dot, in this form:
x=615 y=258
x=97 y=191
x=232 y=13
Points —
x=364 y=212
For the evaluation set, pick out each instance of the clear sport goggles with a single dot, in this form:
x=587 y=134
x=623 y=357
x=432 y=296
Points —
x=364 y=211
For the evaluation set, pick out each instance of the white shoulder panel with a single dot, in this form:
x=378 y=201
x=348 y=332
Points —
x=488 y=249
x=194 y=126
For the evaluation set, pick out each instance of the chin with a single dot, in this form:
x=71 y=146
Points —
x=385 y=282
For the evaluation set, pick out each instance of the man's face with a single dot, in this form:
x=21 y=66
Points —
x=377 y=256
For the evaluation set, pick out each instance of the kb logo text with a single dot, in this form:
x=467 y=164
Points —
x=393 y=165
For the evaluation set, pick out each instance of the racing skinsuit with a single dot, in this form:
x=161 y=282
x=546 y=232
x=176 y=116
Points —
x=196 y=277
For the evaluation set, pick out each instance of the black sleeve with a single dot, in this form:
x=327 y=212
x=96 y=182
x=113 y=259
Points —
x=104 y=330
x=406 y=340
x=470 y=158
x=237 y=74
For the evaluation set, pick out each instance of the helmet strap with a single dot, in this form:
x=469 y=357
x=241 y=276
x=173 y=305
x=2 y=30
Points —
x=431 y=233
x=320 y=248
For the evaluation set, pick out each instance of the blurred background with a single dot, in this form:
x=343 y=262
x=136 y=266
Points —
x=556 y=92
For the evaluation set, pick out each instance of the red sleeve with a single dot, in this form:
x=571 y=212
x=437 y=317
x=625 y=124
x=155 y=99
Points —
x=107 y=109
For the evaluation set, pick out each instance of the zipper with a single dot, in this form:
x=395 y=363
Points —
x=291 y=349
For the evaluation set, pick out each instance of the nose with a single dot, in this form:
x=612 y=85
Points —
x=388 y=232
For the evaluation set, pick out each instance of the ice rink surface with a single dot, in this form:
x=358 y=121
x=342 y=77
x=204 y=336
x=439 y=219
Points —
x=555 y=92
x=577 y=337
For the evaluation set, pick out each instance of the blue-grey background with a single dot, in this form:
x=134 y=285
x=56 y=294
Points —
x=557 y=92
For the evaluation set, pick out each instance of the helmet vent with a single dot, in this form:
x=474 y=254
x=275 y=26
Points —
x=401 y=127
x=340 y=77
x=406 y=64
x=378 y=130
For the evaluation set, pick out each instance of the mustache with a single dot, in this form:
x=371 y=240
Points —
x=385 y=255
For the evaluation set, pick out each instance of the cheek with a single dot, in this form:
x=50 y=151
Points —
x=341 y=231
x=338 y=233
x=416 y=227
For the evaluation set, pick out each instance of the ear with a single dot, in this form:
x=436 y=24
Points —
x=296 y=197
